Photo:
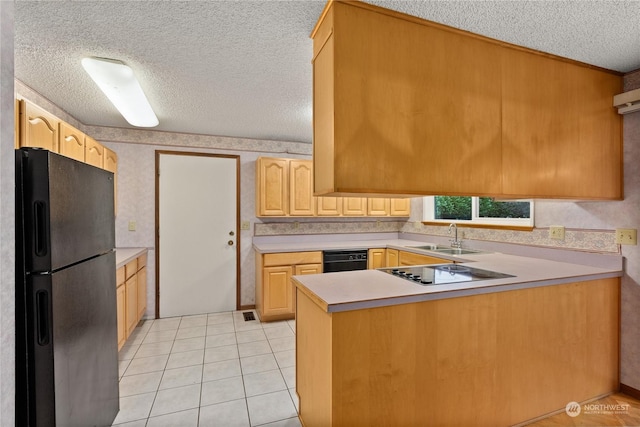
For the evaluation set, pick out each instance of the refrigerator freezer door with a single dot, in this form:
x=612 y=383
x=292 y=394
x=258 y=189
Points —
x=73 y=343
x=67 y=207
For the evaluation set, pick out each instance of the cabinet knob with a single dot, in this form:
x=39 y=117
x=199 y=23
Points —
x=230 y=242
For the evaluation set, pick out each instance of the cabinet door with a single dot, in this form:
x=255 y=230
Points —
x=272 y=187
x=373 y=137
x=410 y=258
x=354 y=206
x=560 y=136
x=71 y=142
x=38 y=128
x=141 y=279
x=121 y=313
x=131 y=297
x=329 y=206
x=111 y=164
x=392 y=258
x=301 y=201
x=93 y=152
x=377 y=258
x=400 y=207
x=278 y=295
x=377 y=206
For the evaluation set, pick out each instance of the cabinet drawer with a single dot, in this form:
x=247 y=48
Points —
x=292 y=258
x=120 y=276
x=130 y=268
x=142 y=261
x=409 y=258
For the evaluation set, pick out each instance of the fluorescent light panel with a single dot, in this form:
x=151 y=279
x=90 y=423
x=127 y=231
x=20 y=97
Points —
x=117 y=81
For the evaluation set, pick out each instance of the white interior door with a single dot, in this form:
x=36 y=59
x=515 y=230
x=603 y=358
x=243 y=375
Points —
x=197 y=255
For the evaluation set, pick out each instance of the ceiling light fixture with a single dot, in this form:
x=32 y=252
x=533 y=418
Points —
x=117 y=81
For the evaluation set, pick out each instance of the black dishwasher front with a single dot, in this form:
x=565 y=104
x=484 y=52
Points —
x=344 y=260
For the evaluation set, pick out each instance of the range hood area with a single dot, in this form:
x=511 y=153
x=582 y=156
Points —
x=426 y=109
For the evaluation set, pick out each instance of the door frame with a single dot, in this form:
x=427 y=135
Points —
x=157 y=215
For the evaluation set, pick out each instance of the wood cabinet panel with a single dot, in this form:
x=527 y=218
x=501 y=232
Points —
x=278 y=298
x=131 y=268
x=400 y=207
x=131 y=297
x=376 y=258
x=377 y=206
x=477 y=349
x=141 y=301
x=446 y=87
x=16 y=129
x=272 y=196
x=329 y=206
x=292 y=258
x=93 y=152
x=354 y=206
x=561 y=138
x=121 y=315
x=71 y=142
x=301 y=201
x=38 y=128
x=410 y=258
x=111 y=164
x=392 y=258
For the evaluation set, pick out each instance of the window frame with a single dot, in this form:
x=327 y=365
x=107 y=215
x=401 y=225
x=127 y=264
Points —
x=428 y=211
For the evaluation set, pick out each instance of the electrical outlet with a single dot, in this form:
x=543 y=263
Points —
x=245 y=225
x=296 y=225
x=132 y=226
x=378 y=223
x=556 y=232
x=627 y=236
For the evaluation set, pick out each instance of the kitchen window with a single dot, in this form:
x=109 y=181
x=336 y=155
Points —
x=484 y=211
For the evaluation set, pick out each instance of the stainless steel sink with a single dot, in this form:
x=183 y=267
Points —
x=447 y=250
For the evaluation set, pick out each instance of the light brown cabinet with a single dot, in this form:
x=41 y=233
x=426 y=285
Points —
x=71 y=142
x=392 y=258
x=111 y=164
x=400 y=207
x=301 y=200
x=409 y=258
x=274 y=291
x=93 y=152
x=121 y=304
x=492 y=120
x=284 y=188
x=376 y=258
x=131 y=296
x=38 y=128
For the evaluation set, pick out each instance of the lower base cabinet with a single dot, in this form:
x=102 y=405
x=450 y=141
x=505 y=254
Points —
x=131 y=301
x=275 y=299
x=506 y=357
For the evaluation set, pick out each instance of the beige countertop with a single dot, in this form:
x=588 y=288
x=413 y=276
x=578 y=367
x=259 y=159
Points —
x=125 y=255
x=352 y=290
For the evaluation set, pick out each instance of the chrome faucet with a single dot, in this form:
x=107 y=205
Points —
x=455 y=243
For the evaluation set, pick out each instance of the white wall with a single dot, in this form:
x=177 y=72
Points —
x=7 y=219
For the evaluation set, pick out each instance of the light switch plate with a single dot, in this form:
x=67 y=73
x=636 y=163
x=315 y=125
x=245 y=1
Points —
x=132 y=226
x=627 y=236
x=556 y=232
x=245 y=225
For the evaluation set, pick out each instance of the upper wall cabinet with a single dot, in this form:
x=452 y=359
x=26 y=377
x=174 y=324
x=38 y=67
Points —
x=93 y=152
x=38 y=128
x=272 y=186
x=407 y=106
x=71 y=142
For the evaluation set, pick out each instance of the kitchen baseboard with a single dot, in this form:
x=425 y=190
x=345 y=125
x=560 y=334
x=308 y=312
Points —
x=630 y=391
x=247 y=307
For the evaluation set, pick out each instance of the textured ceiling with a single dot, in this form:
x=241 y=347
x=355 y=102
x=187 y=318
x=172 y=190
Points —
x=243 y=68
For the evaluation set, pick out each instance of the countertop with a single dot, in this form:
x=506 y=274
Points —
x=125 y=255
x=353 y=290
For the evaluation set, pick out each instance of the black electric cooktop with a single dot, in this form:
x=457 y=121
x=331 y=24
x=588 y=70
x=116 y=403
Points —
x=441 y=274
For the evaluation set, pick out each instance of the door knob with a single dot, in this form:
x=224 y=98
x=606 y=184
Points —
x=230 y=242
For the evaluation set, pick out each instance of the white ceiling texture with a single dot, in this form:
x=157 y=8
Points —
x=243 y=68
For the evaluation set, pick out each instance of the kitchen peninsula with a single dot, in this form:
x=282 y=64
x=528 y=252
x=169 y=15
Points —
x=376 y=349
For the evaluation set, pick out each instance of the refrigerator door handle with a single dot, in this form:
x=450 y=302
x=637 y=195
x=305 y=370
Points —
x=42 y=317
x=40 y=228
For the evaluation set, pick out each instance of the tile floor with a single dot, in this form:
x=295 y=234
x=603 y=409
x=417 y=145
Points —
x=208 y=370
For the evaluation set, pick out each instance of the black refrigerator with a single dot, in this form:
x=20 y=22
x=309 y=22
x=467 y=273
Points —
x=66 y=327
